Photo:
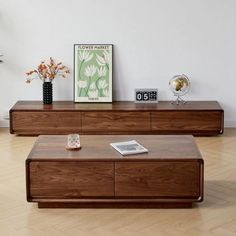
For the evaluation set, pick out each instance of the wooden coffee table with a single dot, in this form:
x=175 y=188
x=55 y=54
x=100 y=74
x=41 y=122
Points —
x=170 y=175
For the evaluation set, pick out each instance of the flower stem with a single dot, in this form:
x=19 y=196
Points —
x=80 y=92
x=80 y=78
x=99 y=90
x=88 y=85
x=80 y=68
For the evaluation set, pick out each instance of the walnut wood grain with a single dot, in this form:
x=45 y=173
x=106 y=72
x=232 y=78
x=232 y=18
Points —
x=114 y=106
x=29 y=122
x=161 y=179
x=115 y=121
x=71 y=179
x=97 y=147
x=196 y=121
x=169 y=175
x=116 y=204
x=121 y=117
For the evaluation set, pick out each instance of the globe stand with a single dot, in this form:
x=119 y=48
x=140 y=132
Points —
x=178 y=100
x=180 y=86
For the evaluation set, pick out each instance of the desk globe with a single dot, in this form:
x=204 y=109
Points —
x=179 y=85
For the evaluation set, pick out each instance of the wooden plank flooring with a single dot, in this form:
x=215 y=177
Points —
x=215 y=216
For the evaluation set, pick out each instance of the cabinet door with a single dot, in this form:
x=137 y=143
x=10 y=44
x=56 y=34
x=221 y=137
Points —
x=63 y=180
x=186 y=121
x=157 y=179
x=115 y=121
x=42 y=122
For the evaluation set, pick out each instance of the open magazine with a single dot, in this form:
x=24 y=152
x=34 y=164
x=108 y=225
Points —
x=129 y=147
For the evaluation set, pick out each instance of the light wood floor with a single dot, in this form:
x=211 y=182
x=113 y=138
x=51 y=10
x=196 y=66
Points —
x=215 y=216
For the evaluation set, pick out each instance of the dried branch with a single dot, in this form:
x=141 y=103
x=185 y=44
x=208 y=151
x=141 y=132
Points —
x=48 y=72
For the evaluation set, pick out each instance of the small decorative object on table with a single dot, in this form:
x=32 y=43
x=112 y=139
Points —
x=73 y=142
x=47 y=72
x=129 y=147
x=179 y=85
x=146 y=95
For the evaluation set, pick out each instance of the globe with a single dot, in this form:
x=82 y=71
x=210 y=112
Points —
x=179 y=85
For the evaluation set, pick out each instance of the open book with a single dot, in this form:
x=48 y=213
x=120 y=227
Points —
x=129 y=147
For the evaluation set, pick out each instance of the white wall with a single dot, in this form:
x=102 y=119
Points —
x=154 y=40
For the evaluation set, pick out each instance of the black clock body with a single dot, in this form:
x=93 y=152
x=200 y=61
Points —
x=146 y=95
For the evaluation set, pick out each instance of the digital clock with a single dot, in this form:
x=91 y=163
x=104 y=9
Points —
x=146 y=95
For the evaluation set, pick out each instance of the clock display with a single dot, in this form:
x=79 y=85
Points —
x=146 y=95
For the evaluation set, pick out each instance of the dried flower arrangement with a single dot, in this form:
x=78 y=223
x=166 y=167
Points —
x=47 y=72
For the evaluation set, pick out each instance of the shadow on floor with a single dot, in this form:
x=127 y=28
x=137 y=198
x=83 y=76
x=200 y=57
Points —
x=218 y=193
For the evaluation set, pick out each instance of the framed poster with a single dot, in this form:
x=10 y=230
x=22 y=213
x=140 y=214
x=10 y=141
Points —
x=93 y=72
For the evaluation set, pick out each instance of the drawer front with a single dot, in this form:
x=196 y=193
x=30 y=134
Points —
x=184 y=121
x=159 y=179
x=46 y=122
x=62 y=180
x=116 y=121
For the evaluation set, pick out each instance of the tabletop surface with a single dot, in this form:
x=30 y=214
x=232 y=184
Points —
x=97 y=148
x=115 y=106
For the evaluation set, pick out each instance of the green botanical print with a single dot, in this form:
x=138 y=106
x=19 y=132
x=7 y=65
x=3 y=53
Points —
x=93 y=73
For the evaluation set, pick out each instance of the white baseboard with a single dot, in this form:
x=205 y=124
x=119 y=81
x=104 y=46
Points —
x=230 y=124
x=4 y=123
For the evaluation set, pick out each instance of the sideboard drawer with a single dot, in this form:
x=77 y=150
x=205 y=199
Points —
x=115 y=121
x=159 y=179
x=187 y=121
x=44 y=122
x=71 y=179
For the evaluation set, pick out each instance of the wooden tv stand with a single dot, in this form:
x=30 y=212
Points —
x=64 y=117
x=170 y=175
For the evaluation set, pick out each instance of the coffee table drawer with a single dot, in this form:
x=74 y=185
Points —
x=62 y=180
x=158 y=179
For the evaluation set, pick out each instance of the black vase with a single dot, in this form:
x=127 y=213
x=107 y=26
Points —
x=47 y=92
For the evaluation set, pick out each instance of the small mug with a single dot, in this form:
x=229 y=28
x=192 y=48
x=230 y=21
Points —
x=73 y=141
